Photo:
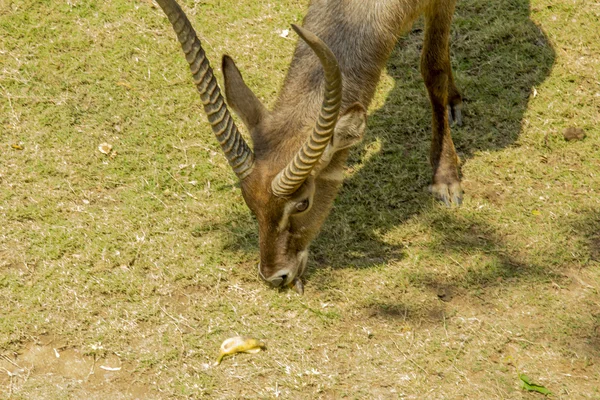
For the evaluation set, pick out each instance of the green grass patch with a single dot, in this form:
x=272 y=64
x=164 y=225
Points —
x=145 y=260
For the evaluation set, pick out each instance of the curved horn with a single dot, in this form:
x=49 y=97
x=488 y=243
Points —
x=237 y=152
x=296 y=172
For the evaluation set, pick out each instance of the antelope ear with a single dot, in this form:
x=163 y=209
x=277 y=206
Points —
x=239 y=97
x=350 y=127
x=349 y=130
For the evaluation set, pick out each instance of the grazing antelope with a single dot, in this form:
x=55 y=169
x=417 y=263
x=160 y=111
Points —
x=291 y=177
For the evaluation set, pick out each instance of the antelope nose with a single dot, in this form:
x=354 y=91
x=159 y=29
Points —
x=275 y=280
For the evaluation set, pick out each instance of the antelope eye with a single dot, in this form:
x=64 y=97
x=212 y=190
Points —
x=302 y=206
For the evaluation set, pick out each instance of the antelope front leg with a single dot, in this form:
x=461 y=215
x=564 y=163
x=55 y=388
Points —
x=437 y=74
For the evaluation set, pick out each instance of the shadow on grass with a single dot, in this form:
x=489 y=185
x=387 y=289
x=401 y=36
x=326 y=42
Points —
x=498 y=55
x=567 y=273
x=585 y=229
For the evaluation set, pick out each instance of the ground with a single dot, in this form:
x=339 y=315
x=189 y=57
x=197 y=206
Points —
x=122 y=273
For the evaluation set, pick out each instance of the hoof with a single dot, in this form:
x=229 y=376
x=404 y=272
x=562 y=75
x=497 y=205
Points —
x=449 y=194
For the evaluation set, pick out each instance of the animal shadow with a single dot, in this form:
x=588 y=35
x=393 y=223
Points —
x=498 y=55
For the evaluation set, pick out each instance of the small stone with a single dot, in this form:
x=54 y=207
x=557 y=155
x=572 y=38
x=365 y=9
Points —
x=572 y=133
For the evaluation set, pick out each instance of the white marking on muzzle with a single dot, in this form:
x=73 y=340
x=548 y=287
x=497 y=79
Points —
x=285 y=219
x=260 y=273
x=302 y=260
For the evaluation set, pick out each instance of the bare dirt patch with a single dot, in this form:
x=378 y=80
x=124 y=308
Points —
x=51 y=361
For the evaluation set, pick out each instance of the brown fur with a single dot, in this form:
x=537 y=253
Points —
x=361 y=34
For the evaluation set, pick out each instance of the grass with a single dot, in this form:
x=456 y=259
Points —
x=145 y=260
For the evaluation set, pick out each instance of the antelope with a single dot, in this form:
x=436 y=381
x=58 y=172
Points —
x=291 y=176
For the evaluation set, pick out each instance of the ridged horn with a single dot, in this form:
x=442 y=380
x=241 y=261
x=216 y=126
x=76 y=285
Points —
x=296 y=172
x=238 y=153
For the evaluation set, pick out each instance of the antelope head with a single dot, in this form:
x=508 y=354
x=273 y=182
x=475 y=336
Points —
x=290 y=180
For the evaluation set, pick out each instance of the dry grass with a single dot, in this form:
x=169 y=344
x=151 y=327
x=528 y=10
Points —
x=143 y=262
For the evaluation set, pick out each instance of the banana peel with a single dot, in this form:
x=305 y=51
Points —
x=239 y=344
